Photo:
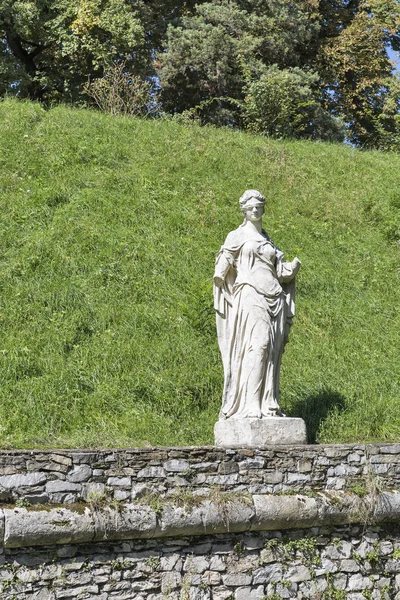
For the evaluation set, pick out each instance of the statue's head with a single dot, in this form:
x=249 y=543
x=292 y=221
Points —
x=252 y=205
x=251 y=196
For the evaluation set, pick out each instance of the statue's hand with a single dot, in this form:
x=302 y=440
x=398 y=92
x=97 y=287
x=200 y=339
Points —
x=296 y=264
x=219 y=282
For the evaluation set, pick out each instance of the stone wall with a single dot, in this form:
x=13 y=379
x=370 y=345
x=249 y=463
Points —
x=317 y=522
x=351 y=563
x=65 y=476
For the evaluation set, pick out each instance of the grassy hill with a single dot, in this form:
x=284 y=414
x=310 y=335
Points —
x=109 y=227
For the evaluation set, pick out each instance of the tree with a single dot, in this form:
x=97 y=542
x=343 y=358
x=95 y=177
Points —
x=213 y=52
x=353 y=62
x=221 y=52
x=283 y=102
x=49 y=48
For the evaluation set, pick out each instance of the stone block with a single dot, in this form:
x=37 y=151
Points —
x=54 y=526
x=93 y=489
x=171 y=562
x=270 y=573
x=37 y=498
x=256 y=433
x=304 y=465
x=217 y=563
x=228 y=467
x=208 y=517
x=250 y=593
x=349 y=566
x=22 y=480
x=176 y=466
x=170 y=581
x=275 y=512
x=61 y=459
x=58 y=485
x=338 y=551
x=298 y=478
x=196 y=564
x=273 y=477
x=79 y=473
x=298 y=573
x=211 y=578
x=152 y=472
x=124 y=482
x=358 y=583
x=237 y=579
x=133 y=521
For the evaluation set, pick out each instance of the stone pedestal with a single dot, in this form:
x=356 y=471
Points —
x=255 y=433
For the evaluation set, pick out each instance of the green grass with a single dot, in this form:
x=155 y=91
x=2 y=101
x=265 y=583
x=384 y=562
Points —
x=109 y=227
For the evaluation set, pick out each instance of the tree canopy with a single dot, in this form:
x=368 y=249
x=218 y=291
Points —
x=302 y=68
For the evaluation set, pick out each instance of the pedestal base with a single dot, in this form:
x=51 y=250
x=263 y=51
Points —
x=254 y=433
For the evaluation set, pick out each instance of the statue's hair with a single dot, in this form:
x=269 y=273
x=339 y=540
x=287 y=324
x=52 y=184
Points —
x=248 y=195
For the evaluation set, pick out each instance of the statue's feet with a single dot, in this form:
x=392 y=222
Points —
x=253 y=412
x=273 y=413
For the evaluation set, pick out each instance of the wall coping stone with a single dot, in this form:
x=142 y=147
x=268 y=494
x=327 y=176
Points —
x=227 y=513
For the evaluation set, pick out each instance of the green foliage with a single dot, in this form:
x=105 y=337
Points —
x=50 y=48
x=387 y=121
x=282 y=103
x=22 y=503
x=354 y=65
x=213 y=52
x=302 y=548
x=319 y=63
x=110 y=227
x=297 y=66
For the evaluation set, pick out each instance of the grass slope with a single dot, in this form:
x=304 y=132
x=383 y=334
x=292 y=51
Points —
x=109 y=228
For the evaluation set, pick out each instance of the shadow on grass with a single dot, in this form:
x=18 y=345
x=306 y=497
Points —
x=315 y=408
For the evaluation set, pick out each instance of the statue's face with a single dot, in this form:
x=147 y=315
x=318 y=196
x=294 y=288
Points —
x=253 y=210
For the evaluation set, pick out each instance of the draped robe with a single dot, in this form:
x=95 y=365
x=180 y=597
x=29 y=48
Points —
x=254 y=311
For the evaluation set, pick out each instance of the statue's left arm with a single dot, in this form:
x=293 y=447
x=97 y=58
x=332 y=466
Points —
x=286 y=271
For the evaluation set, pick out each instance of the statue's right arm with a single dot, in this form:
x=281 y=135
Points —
x=223 y=263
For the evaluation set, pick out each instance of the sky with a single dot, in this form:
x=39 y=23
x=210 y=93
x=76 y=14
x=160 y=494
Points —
x=395 y=56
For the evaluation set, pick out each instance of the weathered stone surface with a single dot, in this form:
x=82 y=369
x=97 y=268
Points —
x=61 y=459
x=349 y=566
x=358 y=582
x=196 y=564
x=267 y=574
x=131 y=522
x=236 y=579
x=237 y=433
x=93 y=490
x=298 y=573
x=176 y=466
x=10 y=482
x=59 y=485
x=273 y=477
x=208 y=516
x=54 y=526
x=228 y=467
x=274 y=512
x=152 y=472
x=124 y=482
x=250 y=593
x=80 y=473
x=1 y=527
x=37 y=498
x=339 y=551
x=170 y=581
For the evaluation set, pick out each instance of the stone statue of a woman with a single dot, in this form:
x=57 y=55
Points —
x=254 y=303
